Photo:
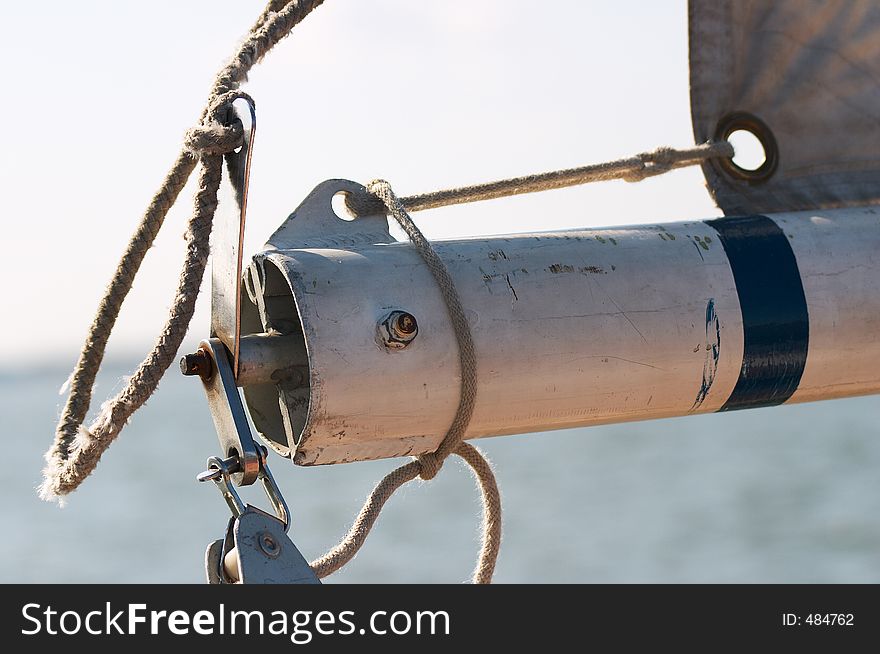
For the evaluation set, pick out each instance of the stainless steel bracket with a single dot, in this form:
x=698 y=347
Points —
x=316 y=224
x=227 y=241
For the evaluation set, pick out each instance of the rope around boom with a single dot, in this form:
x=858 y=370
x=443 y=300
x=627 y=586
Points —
x=428 y=465
x=76 y=449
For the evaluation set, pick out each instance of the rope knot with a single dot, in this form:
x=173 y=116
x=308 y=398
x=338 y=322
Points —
x=74 y=453
x=213 y=138
x=648 y=164
x=430 y=465
x=662 y=157
x=662 y=160
x=220 y=132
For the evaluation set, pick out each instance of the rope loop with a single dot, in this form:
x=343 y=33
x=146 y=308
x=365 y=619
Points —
x=215 y=135
x=76 y=449
x=429 y=465
x=213 y=138
x=364 y=204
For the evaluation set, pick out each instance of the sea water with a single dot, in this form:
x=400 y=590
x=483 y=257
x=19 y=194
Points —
x=785 y=494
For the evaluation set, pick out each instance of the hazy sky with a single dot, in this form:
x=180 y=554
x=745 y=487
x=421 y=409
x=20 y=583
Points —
x=423 y=93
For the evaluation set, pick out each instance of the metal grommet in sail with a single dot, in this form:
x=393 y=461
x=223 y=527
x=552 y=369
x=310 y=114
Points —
x=744 y=121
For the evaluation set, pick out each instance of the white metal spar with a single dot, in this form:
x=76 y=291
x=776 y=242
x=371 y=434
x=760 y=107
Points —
x=572 y=328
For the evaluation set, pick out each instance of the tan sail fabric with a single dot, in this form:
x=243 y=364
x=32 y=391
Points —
x=810 y=71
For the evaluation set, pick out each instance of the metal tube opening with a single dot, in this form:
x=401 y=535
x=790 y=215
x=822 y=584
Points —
x=274 y=368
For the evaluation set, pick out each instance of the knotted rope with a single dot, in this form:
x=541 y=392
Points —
x=380 y=198
x=631 y=169
x=77 y=450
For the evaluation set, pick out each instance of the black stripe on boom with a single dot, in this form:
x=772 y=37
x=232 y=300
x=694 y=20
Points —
x=776 y=326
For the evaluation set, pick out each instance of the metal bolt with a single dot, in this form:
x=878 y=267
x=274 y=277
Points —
x=398 y=329
x=270 y=546
x=406 y=324
x=197 y=363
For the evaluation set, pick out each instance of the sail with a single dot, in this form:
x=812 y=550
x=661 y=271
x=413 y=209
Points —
x=803 y=76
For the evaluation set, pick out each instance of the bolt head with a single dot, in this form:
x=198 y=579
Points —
x=398 y=329
x=268 y=544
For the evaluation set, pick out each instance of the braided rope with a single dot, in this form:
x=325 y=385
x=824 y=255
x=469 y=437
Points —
x=76 y=450
x=632 y=169
x=381 y=198
x=426 y=466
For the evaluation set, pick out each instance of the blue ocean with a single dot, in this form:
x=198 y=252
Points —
x=785 y=494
